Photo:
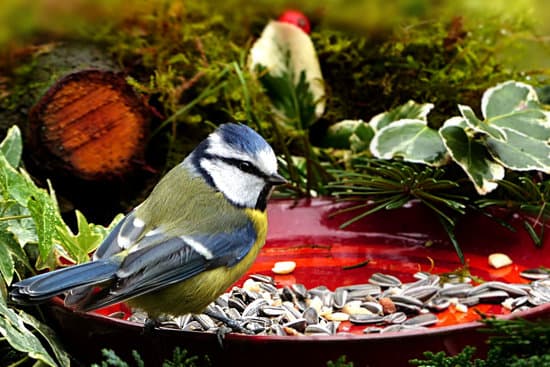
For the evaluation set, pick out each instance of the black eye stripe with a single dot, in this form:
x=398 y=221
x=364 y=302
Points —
x=244 y=166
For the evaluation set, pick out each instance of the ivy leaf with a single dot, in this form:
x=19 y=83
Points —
x=285 y=61
x=479 y=126
x=49 y=336
x=471 y=155
x=12 y=146
x=7 y=265
x=409 y=139
x=13 y=329
x=44 y=214
x=349 y=134
x=361 y=138
x=409 y=110
x=520 y=152
x=23 y=229
x=508 y=97
x=87 y=239
x=515 y=106
x=14 y=185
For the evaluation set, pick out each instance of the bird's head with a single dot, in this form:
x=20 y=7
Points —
x=239 y=163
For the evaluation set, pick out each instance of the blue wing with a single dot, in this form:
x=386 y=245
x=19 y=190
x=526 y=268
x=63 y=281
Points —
x=159 y=261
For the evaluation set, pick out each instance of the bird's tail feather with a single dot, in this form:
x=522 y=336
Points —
x=44 y=286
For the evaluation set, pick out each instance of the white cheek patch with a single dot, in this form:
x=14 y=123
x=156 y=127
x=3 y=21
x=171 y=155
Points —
x=239 y=187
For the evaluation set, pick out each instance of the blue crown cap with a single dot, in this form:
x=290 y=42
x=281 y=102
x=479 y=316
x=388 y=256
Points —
x=242 y=138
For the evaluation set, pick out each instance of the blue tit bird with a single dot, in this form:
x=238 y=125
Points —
x=198 y=232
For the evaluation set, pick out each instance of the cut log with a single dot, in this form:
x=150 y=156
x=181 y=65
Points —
x=90 y=123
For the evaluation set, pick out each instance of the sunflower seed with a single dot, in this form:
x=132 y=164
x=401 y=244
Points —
x=340 y=297
x=300 y=290
x=311 y=316
x=421 y=293
x=262 y=278
x=492 y=297
x=298 y=325
x=511 y=289
x=193 y=326
x=366 y=319
x=406 y=300
x=272 y=311
x=236 y=303
x=384 y=280
x=426 y=319
x=535 y=274
x=206 y=321
x=439 y=304
x=455 y=290
x=373 y=307
x=407 y=308
x=395 y=318
x=317 y=329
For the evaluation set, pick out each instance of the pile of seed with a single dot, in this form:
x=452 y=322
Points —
x=384 y=304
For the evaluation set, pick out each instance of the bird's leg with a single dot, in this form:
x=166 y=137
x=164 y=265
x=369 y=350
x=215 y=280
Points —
x=229 y=325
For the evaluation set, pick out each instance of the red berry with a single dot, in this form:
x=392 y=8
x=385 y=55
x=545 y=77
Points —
x=297 y=18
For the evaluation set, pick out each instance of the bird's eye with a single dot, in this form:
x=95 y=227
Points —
x=245 y=166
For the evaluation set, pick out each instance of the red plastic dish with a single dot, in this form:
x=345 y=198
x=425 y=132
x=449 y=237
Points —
x=394 y=242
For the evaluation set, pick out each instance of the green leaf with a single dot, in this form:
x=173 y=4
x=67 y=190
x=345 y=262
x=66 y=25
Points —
x=45 y=216
x=7 y=266
x=13 y=329
x=533 y=123
x=361 y=138
x=338 y=135
x=479 y=126
x=14 y=184
x=471 y=155
x=49 y=336
x=293 y=102
x=20 y=225
x=520 y=152
x=409 y=139
x=409 y=110
x=349 y=134
x=507 y=98
x=12 y=146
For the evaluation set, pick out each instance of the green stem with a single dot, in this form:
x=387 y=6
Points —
x=20 y=362
x=13 y=217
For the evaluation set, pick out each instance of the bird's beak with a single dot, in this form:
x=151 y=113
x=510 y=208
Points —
x=276 y=179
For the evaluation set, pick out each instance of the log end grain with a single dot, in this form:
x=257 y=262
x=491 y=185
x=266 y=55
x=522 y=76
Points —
x=89 y=123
